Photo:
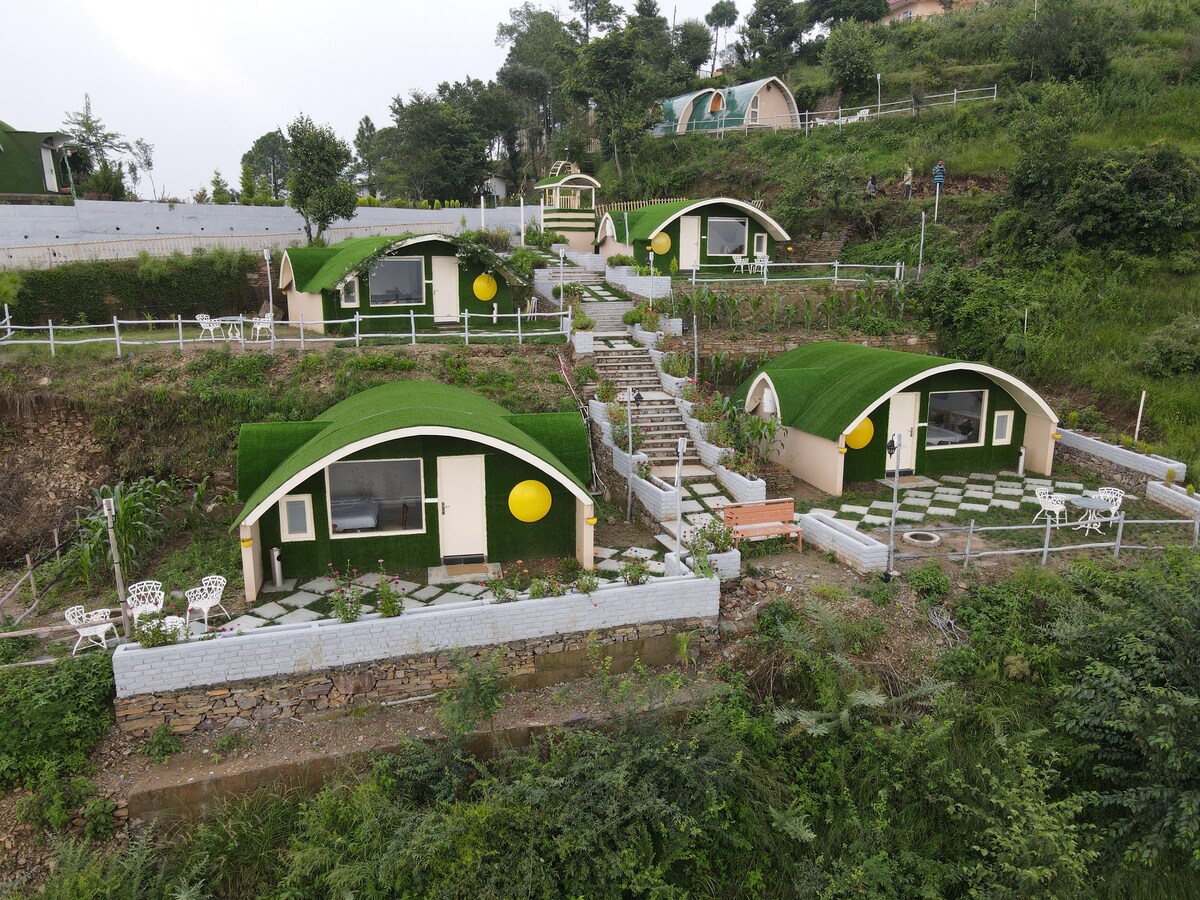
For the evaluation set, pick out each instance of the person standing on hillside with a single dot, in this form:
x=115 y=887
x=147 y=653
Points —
x=939 y=177
x=872 y=187
x=907 y=181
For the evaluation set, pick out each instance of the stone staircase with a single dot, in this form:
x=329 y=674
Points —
x=607 y=314
x=633 y=369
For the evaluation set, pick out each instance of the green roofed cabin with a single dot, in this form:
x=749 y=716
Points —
x=33 y=164
x=697 y=233
x=766 y=103
x=391 y=276
x=839 y=404
x=416 y=474
x=569 y=204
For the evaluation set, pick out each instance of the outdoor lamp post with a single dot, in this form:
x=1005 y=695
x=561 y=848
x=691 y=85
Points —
x=681 y=448
x=110 y=511
x=893 y=450
x=650 y=250
x=270 y=291
x=630 y=398
x=878 y=92
x=562 y=261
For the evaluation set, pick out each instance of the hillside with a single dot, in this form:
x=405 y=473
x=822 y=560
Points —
x=1072 y=203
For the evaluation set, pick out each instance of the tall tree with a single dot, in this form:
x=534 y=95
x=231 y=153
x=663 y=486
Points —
x=599 y=14
x=221 y=194
x=772 y=30
x=143 y=160
x=249 y=189
x=365 y=164
x=723 y=15
x=820 y=11
x=436 y=150
x=693 y=44
x=318 y=188
x=93 y=141
x=106 y=183
x=268 y=157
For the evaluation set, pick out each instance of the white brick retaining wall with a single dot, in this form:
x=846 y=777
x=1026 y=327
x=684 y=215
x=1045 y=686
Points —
x=655 y=286
x=284 y=650
x=1154 y=466
x=1174 y=498
x=741 y=488
x=860 y=552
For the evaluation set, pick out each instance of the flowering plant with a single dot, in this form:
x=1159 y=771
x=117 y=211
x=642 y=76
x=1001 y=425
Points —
x=346 y=593
x=388 y=600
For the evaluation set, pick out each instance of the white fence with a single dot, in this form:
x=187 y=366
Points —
x=760 y=272
x=45 y=256
x=263 y=333
x=808 y=120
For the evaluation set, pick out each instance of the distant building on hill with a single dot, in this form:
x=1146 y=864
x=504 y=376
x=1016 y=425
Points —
x=766 y=103
x=907 y=10
x=32 y=164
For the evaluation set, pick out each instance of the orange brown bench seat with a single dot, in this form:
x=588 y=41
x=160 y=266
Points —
x=762 y=518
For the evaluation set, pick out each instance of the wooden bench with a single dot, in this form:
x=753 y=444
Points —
x=762 y=518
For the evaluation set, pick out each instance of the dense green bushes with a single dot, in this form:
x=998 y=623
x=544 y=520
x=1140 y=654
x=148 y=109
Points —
x=53 y=716
x=93 y=292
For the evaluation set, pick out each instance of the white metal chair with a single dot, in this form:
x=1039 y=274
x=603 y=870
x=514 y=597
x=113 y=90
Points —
x=760 y=263
x=741 y=263
x=145 y=599
x=263 y=323
x=1113 y=496
x=202 y=599
x=208 y=326
x=1054 y=507
x=92 y=626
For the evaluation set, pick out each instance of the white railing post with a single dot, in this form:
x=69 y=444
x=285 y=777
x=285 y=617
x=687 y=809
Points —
x=1046 y=545
x=466 y=316
x=967 y=551
x=835 y=271
x=898 y=265
x=1120 y=531
x=117 y=335
x=519 y=338
x=839 y=120
x=51 y=321
x=412 y=325
x=179 y=323
x=302 y=332
x=357 y=332
x=242 y=332
x=955 y=101
x=8 y=321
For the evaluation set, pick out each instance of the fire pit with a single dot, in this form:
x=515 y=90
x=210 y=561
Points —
x=922 y=538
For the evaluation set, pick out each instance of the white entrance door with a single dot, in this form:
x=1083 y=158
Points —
x=902 y=420
x=689 y=242
x=445 y=288
x=462 y=519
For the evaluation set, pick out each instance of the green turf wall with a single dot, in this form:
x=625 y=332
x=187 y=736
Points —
x=502 y=302
x=871 y=462
x=508 y=538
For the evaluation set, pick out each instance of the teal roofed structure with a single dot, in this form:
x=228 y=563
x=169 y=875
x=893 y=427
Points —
x=417 y=474
x=766 y=103
x=839 y=404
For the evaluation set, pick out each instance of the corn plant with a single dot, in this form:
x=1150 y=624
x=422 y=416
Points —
x=139 y=523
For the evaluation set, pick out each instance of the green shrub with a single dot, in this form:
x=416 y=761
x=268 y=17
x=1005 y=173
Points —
x=929 y=581
x=152 y=631
x=55 y=799
x=712 y=537
x=475 y=697
x=586 y=582
x=606 y=390
x=1173 y=349
x=162 y=744
x=634 y=571
x=585 y=375
x=677 y=365
x=621 y=259
x=53 y=716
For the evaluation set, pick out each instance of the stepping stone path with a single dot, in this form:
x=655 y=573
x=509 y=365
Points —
x=977 y=493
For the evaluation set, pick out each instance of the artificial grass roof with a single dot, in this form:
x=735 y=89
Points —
x=553 y=180
x=558 y=439
x=822 y=388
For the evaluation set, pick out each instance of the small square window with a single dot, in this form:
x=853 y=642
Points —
x=1002 y=428
x=296 y=518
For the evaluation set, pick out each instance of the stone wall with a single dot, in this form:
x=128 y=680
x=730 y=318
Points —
x=758 y=343
x=525 y=664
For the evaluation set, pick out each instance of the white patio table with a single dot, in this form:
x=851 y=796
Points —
x=1092 y=507
x=231 y=325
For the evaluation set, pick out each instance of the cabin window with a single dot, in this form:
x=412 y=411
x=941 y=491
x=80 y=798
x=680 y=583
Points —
x=955 y=419
x=760 y=244
x=717 y=104
x=374 y=497
x=1002 y=428
x=398 y=282
x=754 y=109
x=348 y=294
x=906 y=16
x=726 y=237
x=296 y=518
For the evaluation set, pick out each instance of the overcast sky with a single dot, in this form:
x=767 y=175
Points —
x=201 y=81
